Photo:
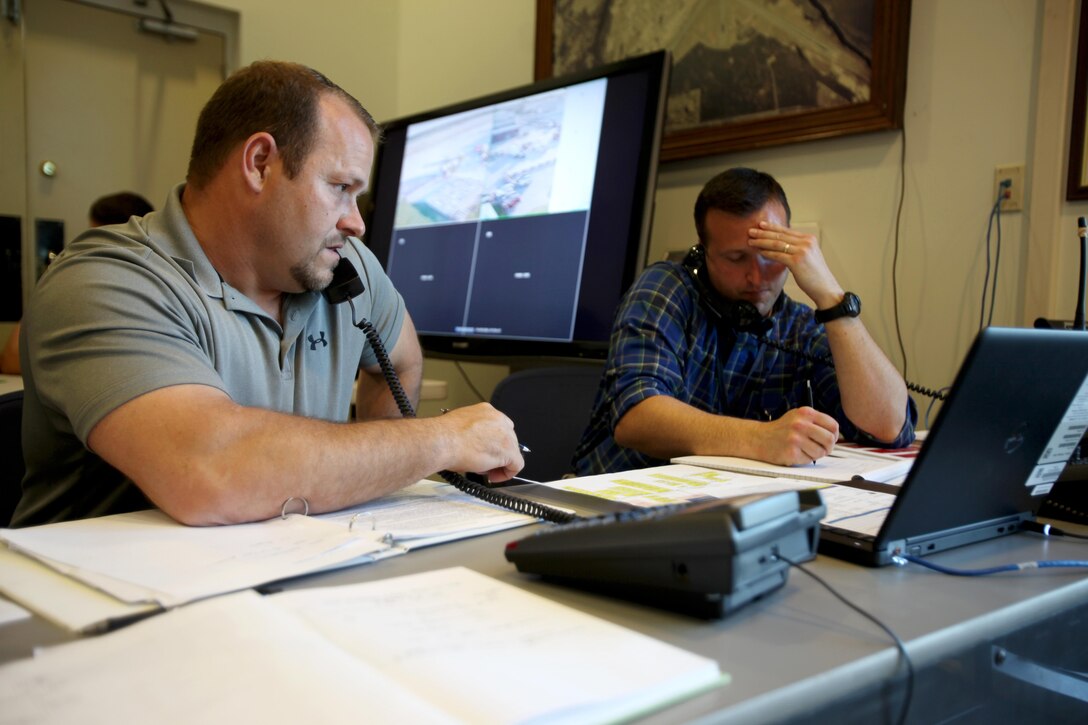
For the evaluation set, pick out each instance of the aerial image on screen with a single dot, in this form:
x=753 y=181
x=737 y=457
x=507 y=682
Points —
x=492 y=211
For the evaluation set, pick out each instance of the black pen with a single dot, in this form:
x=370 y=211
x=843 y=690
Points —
x=811 y=400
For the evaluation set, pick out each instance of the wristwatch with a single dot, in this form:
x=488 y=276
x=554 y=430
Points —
x=849 y=307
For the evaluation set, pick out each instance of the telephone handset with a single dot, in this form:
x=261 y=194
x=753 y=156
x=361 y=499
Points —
x=347 y=285
x=737 y=314
x=744 y=317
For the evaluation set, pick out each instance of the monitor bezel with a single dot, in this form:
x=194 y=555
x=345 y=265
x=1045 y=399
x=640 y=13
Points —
x=656 y=66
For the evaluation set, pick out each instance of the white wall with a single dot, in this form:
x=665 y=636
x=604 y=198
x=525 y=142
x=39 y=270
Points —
x=397 y=57
x=354 y=42
x=969 y=106
x=400 y=58
x=984 y=89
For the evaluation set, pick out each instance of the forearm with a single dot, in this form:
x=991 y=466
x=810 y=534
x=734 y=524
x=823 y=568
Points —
x=274 y=457
x=245 y=465
x=664 y=427
x=874 y=396
x=204 y=459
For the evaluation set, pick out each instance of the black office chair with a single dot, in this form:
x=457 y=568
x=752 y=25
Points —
x=550 y=407
x=11 y=454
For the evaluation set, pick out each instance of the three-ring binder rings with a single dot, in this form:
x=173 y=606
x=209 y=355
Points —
x=213 y=560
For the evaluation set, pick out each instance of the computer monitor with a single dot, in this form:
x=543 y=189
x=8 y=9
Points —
x=513 y=224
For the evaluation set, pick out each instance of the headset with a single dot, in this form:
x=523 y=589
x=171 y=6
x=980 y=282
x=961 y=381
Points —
x=738 y=315
x=742 y=316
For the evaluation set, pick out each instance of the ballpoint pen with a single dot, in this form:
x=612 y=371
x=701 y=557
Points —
x=521 y=446
x=811 y=400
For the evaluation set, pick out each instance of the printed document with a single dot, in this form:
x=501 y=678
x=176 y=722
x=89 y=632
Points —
x=446 y=646
x=147 y=557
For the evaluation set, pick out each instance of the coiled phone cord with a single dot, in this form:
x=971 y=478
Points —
x=458 y=481
x=825 y=360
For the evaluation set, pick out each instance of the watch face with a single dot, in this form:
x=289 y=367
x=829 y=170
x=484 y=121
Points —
x=849 y=307
x=851 y=304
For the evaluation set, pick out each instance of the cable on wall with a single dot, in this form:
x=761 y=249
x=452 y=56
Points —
x=995 y=217
x=895 y=252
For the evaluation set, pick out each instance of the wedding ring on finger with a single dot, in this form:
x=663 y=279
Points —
x=786 y=249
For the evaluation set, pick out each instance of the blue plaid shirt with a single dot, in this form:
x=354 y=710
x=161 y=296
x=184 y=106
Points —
x=664 y=343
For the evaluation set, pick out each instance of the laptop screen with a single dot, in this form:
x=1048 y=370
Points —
x=998 y=442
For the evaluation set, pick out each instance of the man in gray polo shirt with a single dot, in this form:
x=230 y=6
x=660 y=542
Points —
x=188 y=360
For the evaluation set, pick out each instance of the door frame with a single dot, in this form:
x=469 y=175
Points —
x=185 y=14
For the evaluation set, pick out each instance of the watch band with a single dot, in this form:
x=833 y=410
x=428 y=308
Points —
x=849 y=307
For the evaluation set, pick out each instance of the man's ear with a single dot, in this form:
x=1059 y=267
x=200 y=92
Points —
x=258 y=154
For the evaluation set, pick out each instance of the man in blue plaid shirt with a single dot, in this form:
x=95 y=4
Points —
x=710 y=357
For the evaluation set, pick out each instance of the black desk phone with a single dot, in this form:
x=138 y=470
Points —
x=706 y=559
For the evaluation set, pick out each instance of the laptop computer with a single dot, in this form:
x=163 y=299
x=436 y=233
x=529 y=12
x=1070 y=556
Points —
x=1016 y=412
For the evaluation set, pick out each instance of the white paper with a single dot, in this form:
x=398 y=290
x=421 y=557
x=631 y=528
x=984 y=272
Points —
x=175 y=564
x=487 y=652
x=444 y=646
x=59 y=598
x=426 y=513
x=675 y=483
x=172 y=564
x=841 y=465
x=234 y=659
x=11 y=612
x=856 y=509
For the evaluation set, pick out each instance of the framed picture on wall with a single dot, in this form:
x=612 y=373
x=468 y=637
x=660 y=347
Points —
x=746 y=73
x=1077 y=185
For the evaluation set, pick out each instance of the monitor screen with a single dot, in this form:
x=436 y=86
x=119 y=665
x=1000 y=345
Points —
x=513 y=224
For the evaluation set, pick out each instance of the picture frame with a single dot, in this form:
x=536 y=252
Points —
x=1077 y=183
x=881 y=110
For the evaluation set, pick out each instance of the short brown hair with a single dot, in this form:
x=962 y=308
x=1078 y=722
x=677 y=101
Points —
x=738 y=191
x=118 y=208
x=273 y=96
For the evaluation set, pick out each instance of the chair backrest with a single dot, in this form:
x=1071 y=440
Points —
x=11 y=454
x=550 y=407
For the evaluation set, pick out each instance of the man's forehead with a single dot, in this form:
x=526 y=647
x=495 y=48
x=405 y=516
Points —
x=727 y=228
x=771 y=211
x=341 y=131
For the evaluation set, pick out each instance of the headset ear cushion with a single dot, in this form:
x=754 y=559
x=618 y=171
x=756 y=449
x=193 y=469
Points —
x=695 y=263
x=695 y=260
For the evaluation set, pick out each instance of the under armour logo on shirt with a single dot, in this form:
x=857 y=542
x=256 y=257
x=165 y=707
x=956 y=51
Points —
x=321 y=339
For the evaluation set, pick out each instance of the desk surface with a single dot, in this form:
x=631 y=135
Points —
x=798 y=648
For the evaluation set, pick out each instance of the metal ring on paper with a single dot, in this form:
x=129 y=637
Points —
x=305 y=506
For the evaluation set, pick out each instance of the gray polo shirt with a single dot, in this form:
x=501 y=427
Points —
x=132 y=308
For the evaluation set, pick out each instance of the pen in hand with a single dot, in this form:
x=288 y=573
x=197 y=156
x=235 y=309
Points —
x=811 y=400
x=521 y=446
x=482 y=479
